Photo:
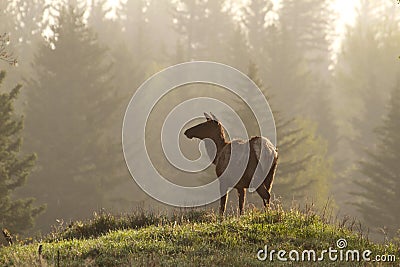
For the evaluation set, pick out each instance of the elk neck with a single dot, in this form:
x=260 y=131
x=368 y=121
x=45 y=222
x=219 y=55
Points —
x=220 y=141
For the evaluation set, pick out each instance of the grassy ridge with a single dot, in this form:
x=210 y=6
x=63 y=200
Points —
x=187 y=239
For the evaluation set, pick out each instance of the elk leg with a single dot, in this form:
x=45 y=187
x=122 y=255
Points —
x=223 y=204
x=264 y=194
x=242 y=199
x=270 y=177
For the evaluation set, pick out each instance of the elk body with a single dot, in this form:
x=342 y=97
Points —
x=213 y=129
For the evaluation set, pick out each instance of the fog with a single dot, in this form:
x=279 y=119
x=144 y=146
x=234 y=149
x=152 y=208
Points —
x=335 y=96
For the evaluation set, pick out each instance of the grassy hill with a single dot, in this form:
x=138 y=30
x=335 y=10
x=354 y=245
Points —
x=194 y=238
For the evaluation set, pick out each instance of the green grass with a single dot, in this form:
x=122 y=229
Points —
x=196 y=238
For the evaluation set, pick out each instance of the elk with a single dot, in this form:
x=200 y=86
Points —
x=212 y=129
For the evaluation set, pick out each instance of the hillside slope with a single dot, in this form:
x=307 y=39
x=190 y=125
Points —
x=198 y=239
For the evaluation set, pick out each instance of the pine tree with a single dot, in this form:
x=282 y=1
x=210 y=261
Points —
x=381 y=172
x=365 y=72
x=203 y=26
x=356 y=77
x=146 y=37
x=71 y=120
x=295 y=55
x=366 y=62
x=238 y=52
x=255 y=21
x=17 y=215
x=22 y=21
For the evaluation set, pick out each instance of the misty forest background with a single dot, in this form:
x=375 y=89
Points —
x=79 y=62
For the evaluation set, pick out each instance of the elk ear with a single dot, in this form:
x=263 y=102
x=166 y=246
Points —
x=213 y=117
x=208 y=117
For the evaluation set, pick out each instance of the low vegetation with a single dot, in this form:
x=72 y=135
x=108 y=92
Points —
x=189 y=238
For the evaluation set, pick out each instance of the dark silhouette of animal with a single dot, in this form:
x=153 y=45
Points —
x=213 y=129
